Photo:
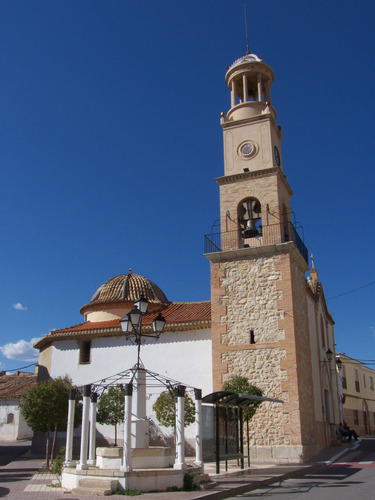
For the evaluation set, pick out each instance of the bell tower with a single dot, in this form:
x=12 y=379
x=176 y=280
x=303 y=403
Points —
x=260 y=326
x=254 y=193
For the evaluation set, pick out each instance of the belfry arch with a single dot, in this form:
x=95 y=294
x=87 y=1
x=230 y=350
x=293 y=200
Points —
x=249 y=216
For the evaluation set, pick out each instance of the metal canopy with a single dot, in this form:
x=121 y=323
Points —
x=235 y=400
x=153 y=380
x=228 y=398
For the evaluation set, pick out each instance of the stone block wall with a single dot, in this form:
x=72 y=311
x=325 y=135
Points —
x=262 y=368
x=251 y=302
x=263 y=291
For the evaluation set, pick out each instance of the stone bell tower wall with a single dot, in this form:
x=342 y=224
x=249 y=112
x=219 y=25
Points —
x=260 y=331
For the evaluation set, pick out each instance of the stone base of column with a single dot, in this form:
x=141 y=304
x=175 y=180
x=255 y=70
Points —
x=198 y=463
x=82 y=466
x=91 y=462
x=180 y=466
x=69 y=463
x=125 y=468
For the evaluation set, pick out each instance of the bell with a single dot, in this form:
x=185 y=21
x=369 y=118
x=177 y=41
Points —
x=251 y=230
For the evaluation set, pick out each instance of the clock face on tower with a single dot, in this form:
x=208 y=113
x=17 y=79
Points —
x=247 y=149
x=277 y=156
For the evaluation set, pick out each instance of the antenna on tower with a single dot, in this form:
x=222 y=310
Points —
x=247 y=33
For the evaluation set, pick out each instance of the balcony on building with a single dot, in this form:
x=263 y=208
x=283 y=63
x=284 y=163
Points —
x=255 y=237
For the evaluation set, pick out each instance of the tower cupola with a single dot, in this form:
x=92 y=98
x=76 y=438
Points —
x=249 y=80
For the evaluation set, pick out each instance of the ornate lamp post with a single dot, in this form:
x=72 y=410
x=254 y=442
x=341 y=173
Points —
x=131 y=324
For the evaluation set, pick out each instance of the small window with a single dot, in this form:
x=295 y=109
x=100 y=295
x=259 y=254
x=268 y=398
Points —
x=85 y=352
x=356 y=419
x=344 y=383
x=10 y=418
x=374 y=417
x=356 y=381
x=252 y=338
x=372 y=383
x=364 y=381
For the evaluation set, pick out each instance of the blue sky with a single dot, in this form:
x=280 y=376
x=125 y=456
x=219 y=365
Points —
x=110 y=143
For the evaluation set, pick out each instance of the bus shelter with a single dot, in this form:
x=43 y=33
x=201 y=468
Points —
x=224 y=426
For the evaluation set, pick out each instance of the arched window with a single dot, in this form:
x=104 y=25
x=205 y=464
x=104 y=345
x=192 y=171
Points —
x=322 y=332
x=285 y=217
x=249 y=213
x=10 y=418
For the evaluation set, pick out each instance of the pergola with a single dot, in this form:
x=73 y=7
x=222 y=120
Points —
x=137 y=379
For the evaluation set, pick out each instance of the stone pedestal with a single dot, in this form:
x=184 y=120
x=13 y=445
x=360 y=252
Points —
x=154 y=457
x=109 y=458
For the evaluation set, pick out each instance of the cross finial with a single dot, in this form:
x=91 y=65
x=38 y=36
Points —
x=247 y=34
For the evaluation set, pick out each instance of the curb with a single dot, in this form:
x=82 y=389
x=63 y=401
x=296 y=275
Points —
x=244 y=488
x=254 y=485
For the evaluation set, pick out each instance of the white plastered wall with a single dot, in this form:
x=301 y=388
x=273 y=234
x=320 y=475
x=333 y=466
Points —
x=18 y=429
x=182 y=356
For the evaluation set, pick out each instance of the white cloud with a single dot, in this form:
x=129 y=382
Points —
x=19 y=307
x=21 y=350
x=372 y=330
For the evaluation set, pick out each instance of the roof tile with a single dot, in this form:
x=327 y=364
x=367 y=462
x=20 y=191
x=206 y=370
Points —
x=187 y=313
x=16 y=385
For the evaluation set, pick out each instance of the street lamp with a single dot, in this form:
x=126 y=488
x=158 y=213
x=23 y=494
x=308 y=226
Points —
x=329 y=355
x=131 y=324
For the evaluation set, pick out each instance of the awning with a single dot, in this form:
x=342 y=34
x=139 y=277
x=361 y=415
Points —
x=227 y=398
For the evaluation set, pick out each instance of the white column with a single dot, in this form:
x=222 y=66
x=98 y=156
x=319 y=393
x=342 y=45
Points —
x=198 y=423
x=233 y=94
x=126 y=460
x=84 y=429
x=245 y=88
x=92 y=436
x=180 y=427
x=140 y=427
x=259 y=78
x=70 y=429
x=267 y=92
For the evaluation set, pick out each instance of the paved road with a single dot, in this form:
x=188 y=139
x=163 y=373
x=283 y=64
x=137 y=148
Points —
x=352 y=476
x=11 y=451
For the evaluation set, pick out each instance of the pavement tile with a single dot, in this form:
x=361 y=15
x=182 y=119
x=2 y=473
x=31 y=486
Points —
x=23 y=480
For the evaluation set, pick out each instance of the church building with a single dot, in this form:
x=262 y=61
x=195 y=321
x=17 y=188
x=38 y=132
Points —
x=265 y=321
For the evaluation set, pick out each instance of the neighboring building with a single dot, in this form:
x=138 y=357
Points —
x=265 y=321
x=358 y=395
x=12 y=388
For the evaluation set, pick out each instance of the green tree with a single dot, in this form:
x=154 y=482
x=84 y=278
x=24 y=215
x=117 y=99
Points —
x=111 y=407
x=241 y=385
x=165 y=409
x=45 y=407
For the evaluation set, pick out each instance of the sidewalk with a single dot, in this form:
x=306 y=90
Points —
x=22 y=480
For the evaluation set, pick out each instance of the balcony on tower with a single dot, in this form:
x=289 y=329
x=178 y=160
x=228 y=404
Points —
x=251 y=234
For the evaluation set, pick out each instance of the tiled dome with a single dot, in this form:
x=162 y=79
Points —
x=126 y=288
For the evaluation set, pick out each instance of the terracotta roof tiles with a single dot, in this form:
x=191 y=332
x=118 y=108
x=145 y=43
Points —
x=179 y=315
x=127 y=288
x=16 y=385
